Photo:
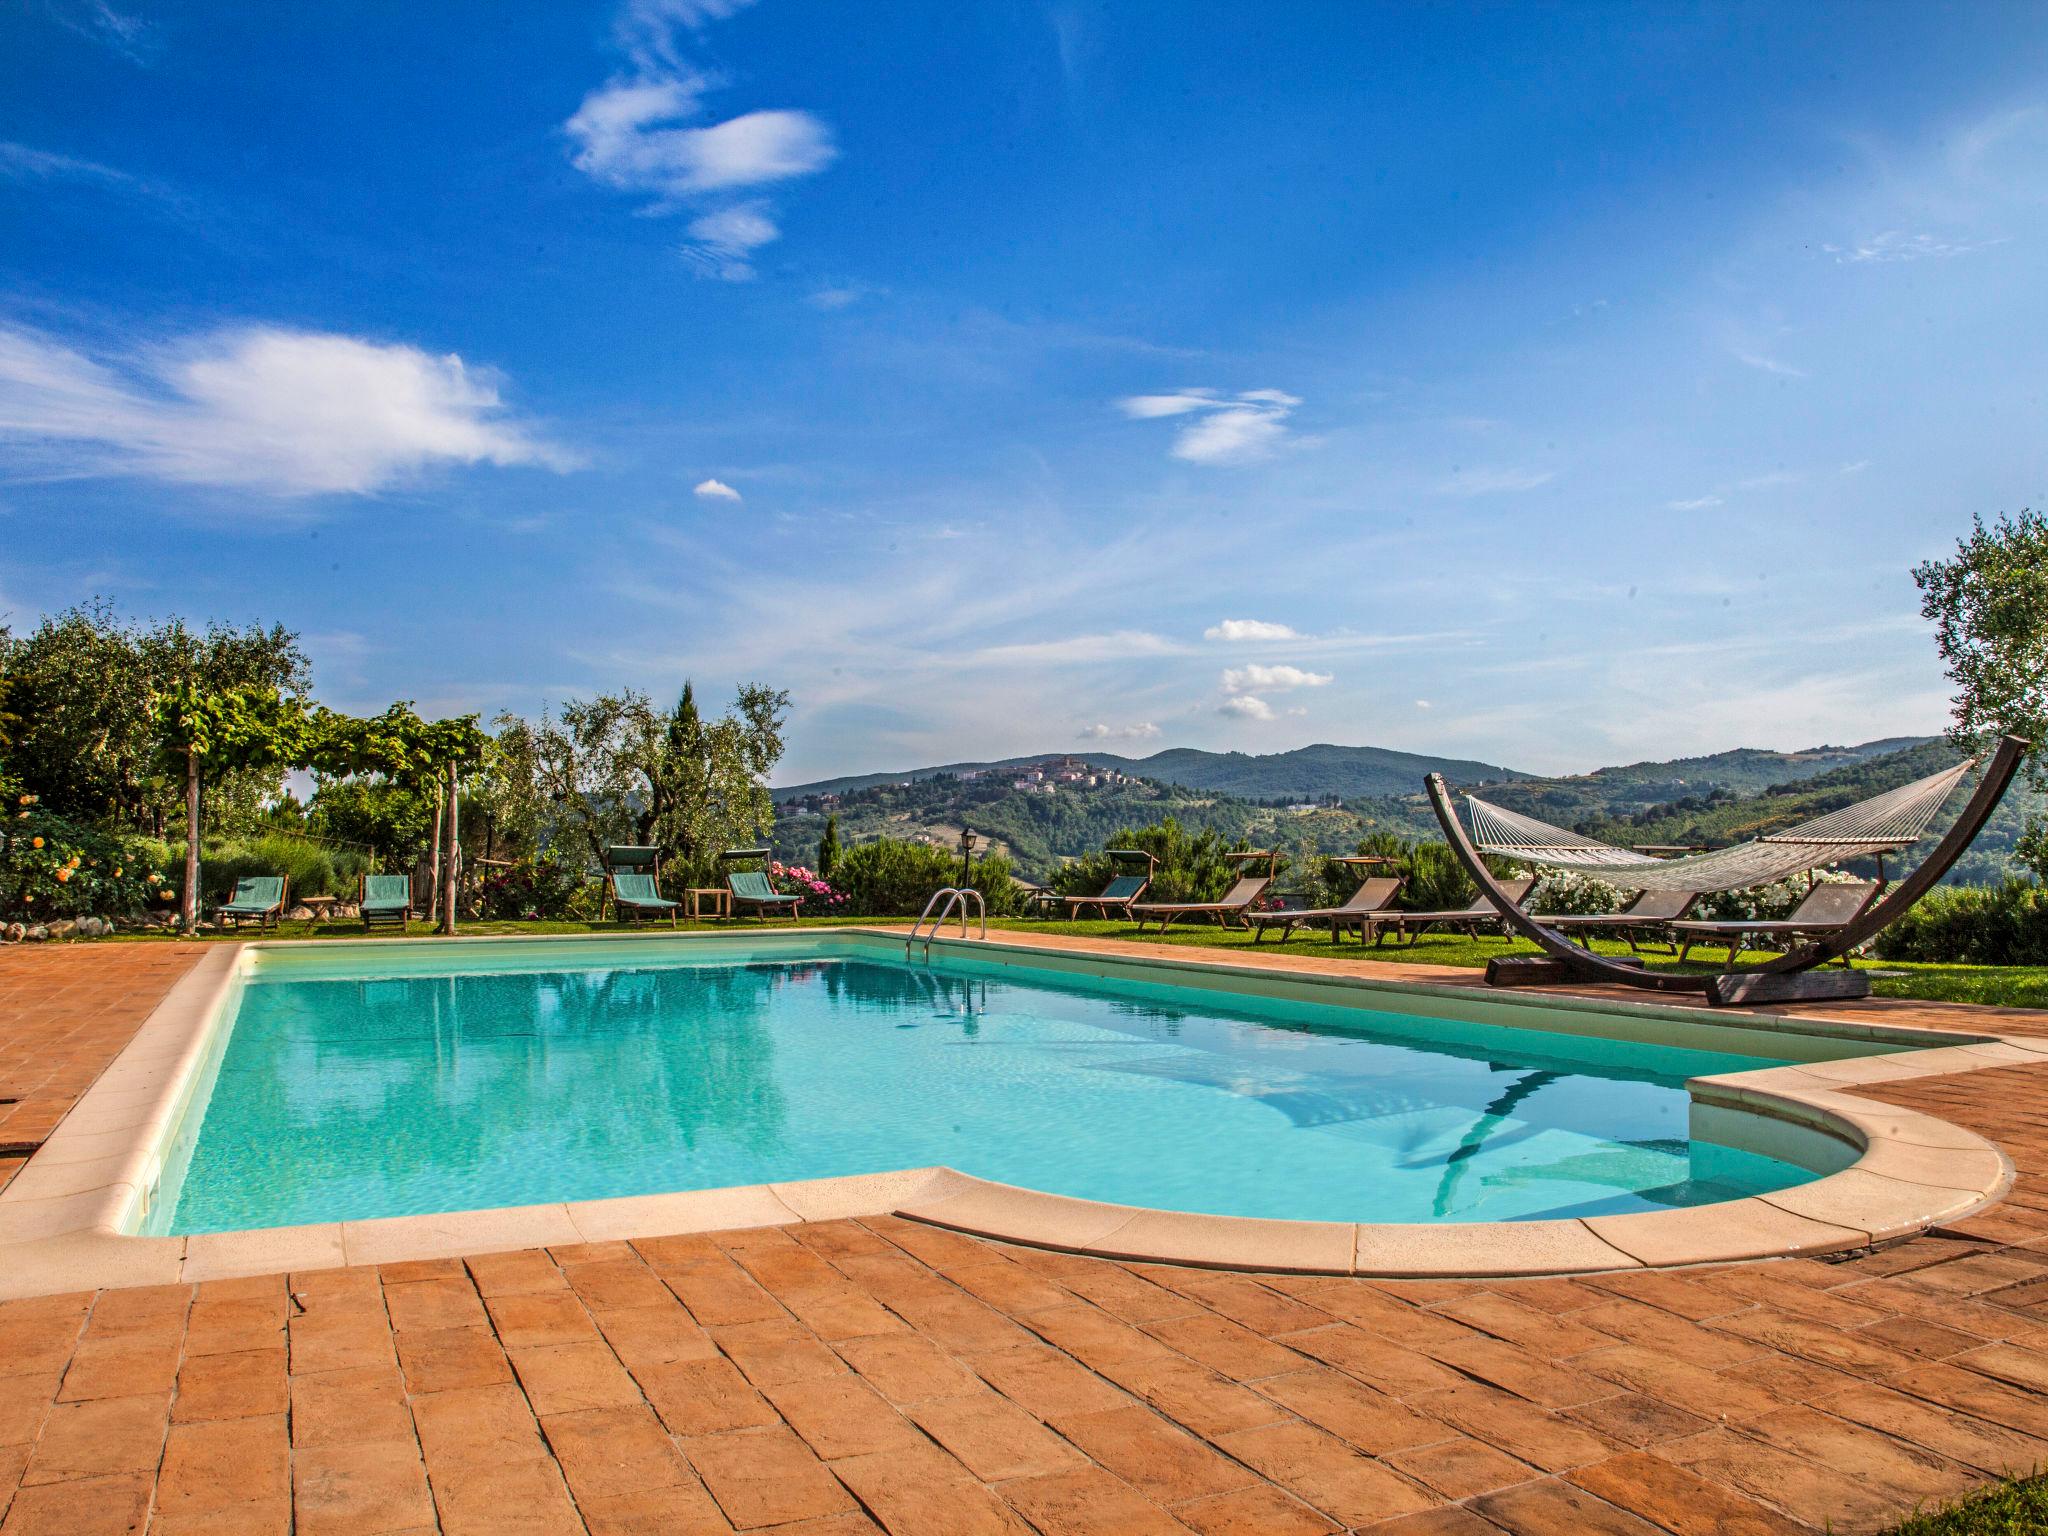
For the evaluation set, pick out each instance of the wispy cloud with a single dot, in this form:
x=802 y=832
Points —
x=1483 y=481
x=643 y=134
x=724 y=242
x=1243 y=428
x=1896 y=245
x=715 y=490
x=1246 y=706
x=1249 y=629
x=1694 y=504
x=1142 y=730
x=1120 y=645
x=23 y=162
x=133 y=38
x=290 y=413
x=1764 y=363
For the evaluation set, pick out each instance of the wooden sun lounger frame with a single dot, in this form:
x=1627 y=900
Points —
x=1466 y=920
x=1164 y=912
x=1339 y=918
x=1104 y=905
x=384 y=916
x=1730 y=933
x=1628 y=925
x=1788 y=978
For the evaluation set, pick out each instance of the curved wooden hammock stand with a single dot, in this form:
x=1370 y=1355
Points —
x=1791 y=977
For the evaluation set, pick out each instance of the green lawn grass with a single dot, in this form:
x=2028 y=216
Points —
x=2017 y=1507
x=2007 y=986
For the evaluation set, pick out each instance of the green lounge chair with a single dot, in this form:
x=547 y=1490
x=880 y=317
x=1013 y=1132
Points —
x=257 y=897
x=1122 y=893
x=385 y=900
x=751 y=887
x=632 y=885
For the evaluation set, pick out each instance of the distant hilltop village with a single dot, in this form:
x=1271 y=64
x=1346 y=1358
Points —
x=1042 y=777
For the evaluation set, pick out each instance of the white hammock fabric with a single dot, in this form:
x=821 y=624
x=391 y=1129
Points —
x=1887 y=822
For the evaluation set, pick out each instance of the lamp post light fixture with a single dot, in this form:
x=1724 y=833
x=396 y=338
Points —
x=967 y=842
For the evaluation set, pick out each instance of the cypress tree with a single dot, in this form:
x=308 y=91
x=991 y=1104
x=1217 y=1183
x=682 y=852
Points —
x=828 y=847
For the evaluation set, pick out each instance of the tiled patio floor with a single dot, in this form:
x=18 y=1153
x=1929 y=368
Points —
x=848 y=1376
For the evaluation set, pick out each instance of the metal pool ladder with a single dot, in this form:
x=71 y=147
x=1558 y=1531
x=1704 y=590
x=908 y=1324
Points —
x=948 y=901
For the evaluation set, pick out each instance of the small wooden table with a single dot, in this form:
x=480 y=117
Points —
x=319 y=906
x=698 y=897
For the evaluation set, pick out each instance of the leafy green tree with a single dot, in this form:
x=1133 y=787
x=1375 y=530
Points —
x=614 y=769
x=1989 y=606
x=249 y=729
x=80 y=687
x=828 y=847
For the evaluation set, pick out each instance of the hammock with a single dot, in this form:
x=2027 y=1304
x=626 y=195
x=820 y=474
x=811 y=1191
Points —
x=1893 y=820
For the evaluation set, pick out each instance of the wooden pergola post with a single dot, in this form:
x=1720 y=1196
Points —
x=449 y=865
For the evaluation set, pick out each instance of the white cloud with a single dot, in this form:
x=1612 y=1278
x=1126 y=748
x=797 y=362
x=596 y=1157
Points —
x=1249 y=629
x=715 y=489
x=1765 y=364
x=726 y=239
x=1246 y=706
x=1422 y=704
x=291 y=413
x=641 y=134
x=1143 y=730
x=1694 y=504
x=1896 y=245
x=1482 y=481
x=838 y=297
x=629 y=135
x=1280 y=679
x=1237 y=429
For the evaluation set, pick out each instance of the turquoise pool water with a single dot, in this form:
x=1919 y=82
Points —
x=533 y=1077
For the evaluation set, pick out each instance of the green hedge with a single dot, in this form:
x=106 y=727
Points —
x=1973 y=925
x=894 y=878
x=311 y=868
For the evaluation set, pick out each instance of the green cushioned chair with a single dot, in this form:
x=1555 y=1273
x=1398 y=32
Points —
x=257 y=898
x=751 y=887
x=386 y=899
x=632 y=884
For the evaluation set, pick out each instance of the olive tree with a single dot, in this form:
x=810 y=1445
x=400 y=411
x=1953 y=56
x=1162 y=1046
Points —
x=1988 y=603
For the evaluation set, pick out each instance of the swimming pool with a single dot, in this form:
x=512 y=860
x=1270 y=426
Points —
x=347 y=1082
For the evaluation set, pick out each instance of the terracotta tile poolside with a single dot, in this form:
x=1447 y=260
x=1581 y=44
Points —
x=855 y=1376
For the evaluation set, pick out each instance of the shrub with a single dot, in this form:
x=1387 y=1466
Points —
x=309 y=868
x=1764 y=903
x=534 y=889
x=820 y=899
x=51 y=867
x=1973 y=925
x=1191 y=867
x=891 y=877
x=1561 y=891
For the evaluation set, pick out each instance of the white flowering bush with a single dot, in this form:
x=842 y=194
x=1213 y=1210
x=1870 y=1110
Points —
x=1763 y=903
x=1562 y=891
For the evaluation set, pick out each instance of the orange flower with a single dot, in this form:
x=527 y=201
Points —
x=63 y=875
x=117 y=871
x=36 y=843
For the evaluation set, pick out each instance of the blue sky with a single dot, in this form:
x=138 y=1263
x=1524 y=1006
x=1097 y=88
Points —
x=1556 y=386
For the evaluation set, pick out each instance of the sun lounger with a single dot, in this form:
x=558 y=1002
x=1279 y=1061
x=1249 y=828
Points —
x=752 y=888
x=1824 y=910
x=1372 y=896
x=1230 y=911
x=1122 y=892
x=385 y=900
x=1651 y=912
x=632 y=885
x=1482 y=913
x=257 y=898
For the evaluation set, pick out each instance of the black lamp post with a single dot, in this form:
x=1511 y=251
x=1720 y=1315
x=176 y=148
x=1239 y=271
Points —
x=967 y=842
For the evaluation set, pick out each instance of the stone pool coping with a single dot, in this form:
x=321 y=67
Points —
x=62 y=1218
